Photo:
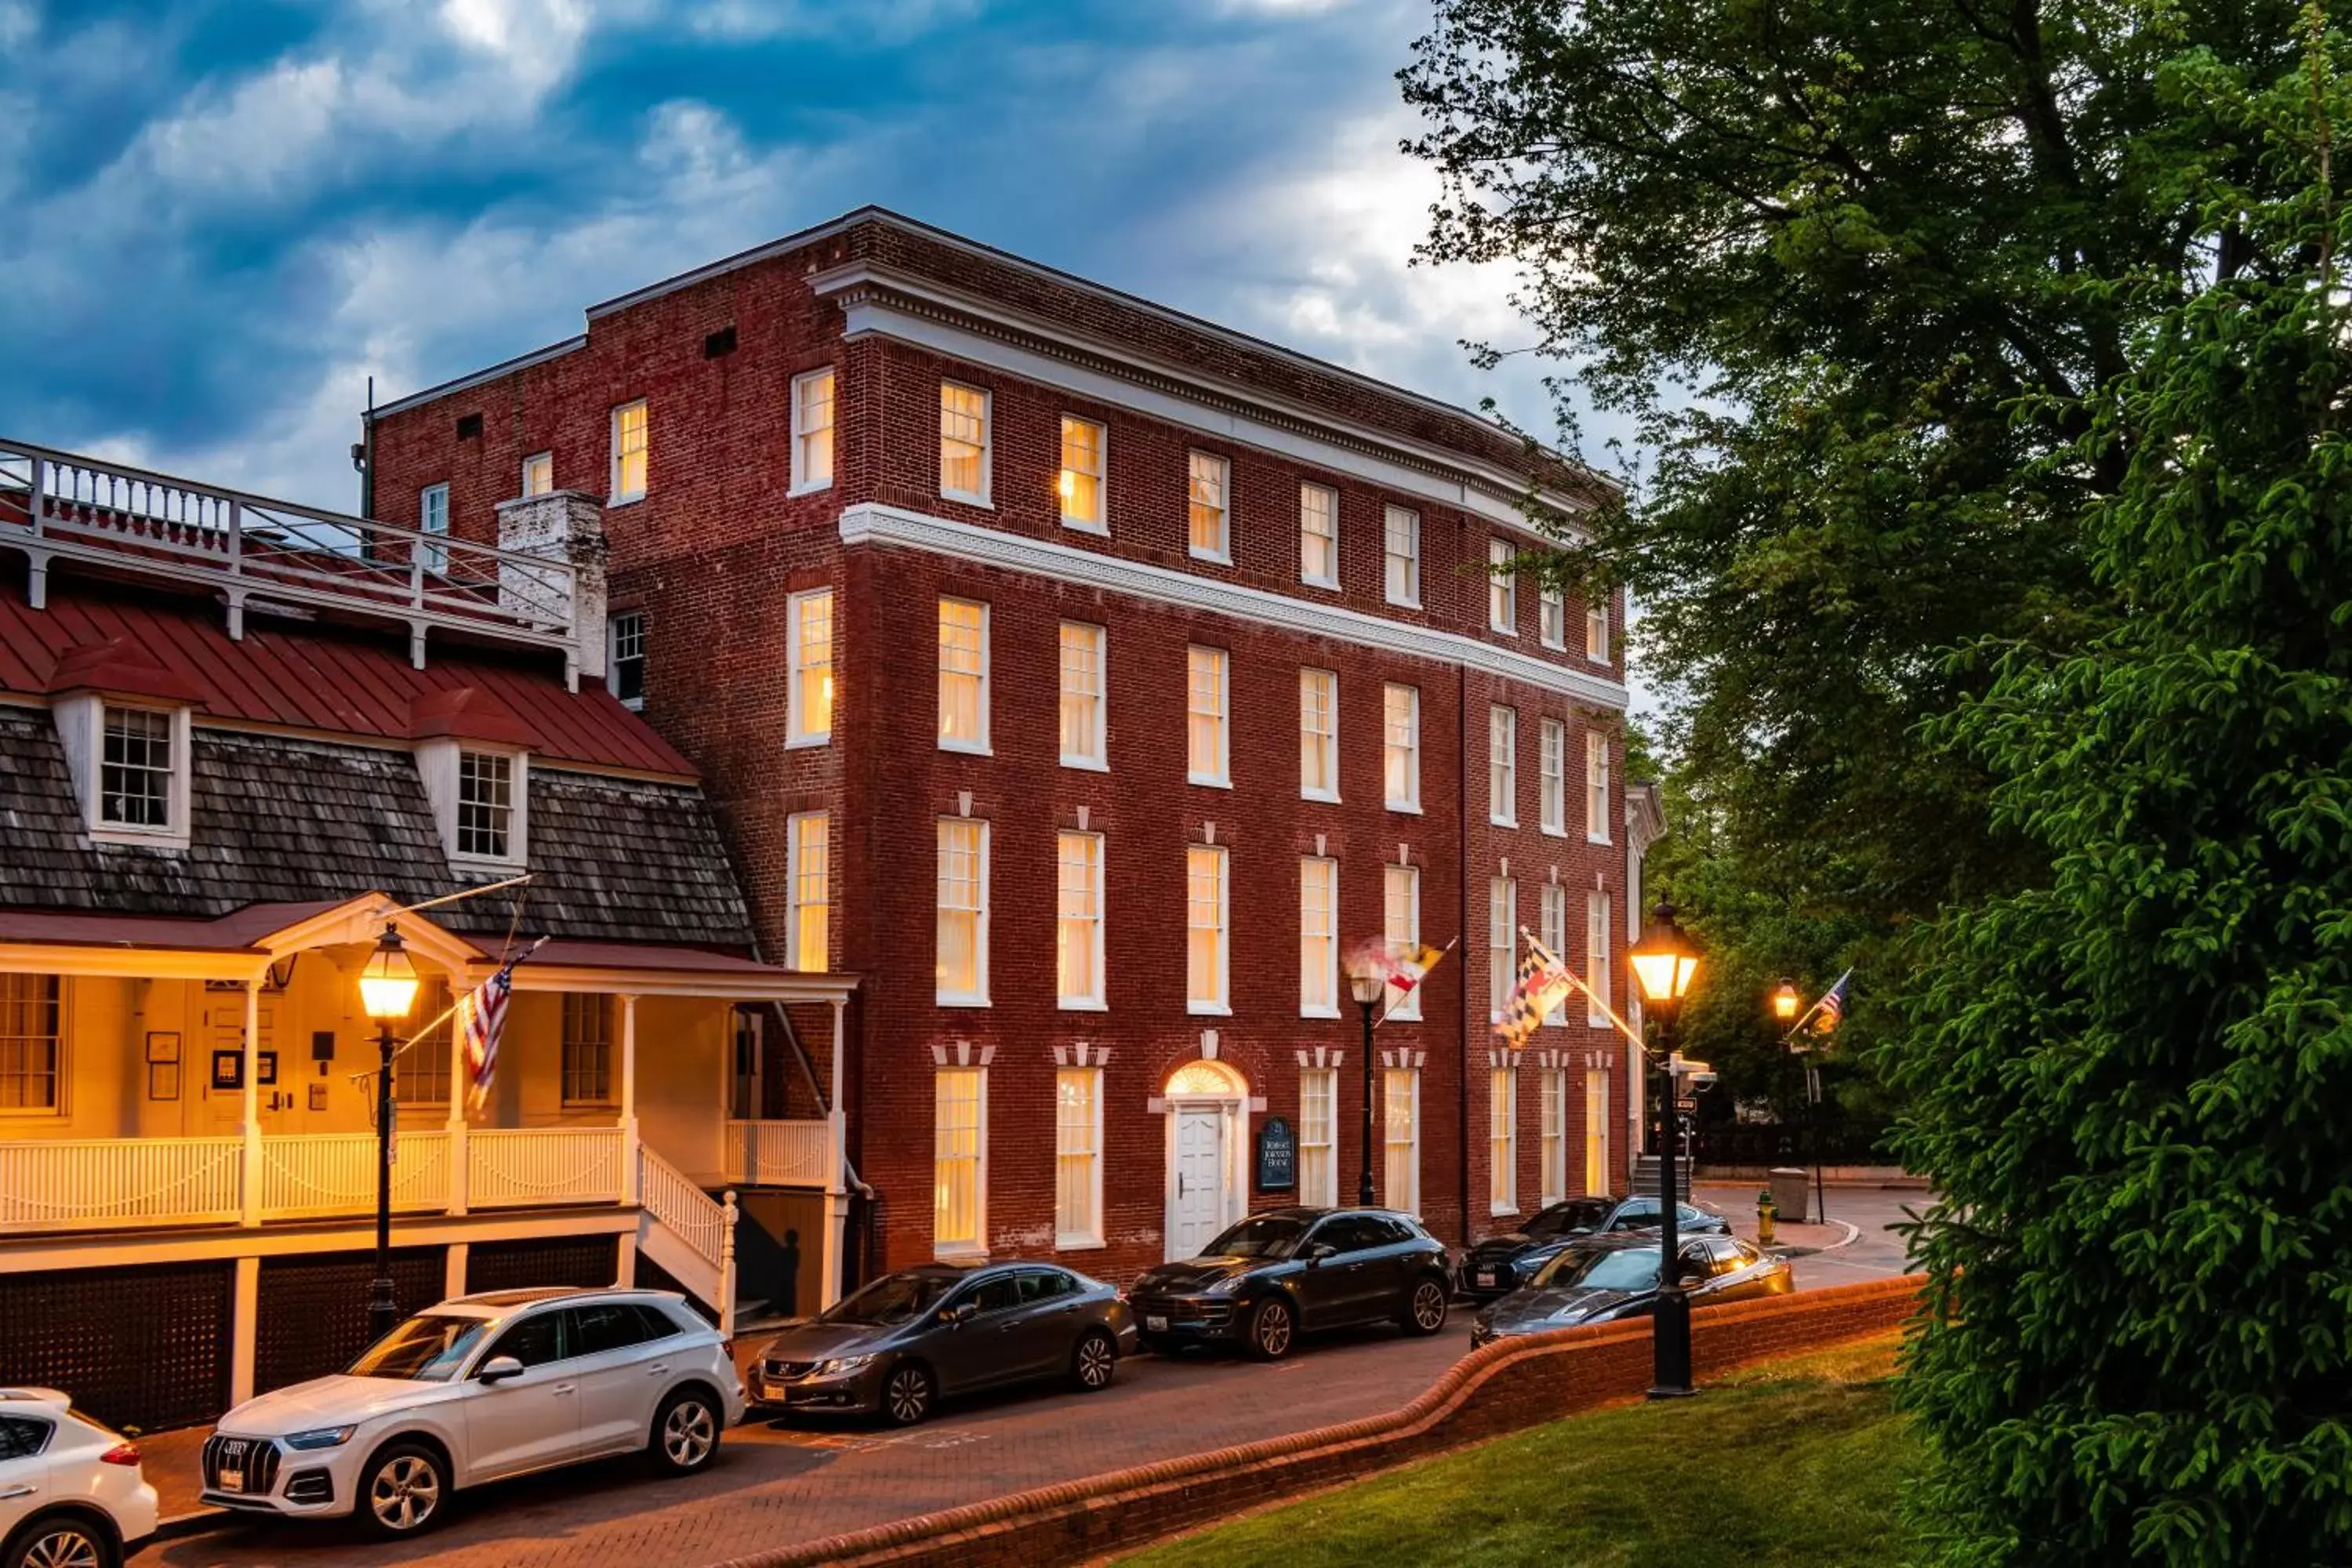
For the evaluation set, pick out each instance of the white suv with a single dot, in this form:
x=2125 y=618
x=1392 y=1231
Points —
x=476 y=1390
x=72 y=1494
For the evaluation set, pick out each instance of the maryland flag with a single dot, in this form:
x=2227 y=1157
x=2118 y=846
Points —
x=1407 y=965
x=1543 y=986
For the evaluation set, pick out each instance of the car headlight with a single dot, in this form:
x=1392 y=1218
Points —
x=321 y=1437
x=1224 y=1287
x=842 y=1363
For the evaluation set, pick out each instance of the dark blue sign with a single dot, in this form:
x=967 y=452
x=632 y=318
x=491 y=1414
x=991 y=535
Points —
x=1278 y=1157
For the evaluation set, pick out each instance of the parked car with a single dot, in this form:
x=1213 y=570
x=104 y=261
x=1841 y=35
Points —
x=475 y=1390
x=1500 y=1263
x=1602 y=1278
x=72 y=1493
x=1288 y=1271
x=907 y=1340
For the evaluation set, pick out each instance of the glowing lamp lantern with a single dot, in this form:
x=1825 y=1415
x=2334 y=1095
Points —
x=1785 y=1002
x=1664 y=961
x=388 y=983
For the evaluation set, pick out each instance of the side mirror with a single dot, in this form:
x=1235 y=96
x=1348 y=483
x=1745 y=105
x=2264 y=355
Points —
x=1691 y=1279
x=1320 y=1251
x=958 y=1313
x=498 y=1369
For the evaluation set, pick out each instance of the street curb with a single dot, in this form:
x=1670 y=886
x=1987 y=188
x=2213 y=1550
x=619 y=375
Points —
x=182 y=1525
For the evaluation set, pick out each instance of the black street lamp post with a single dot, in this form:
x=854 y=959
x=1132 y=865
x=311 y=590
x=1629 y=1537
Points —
x=388 y=991
x=1664 y=963
x=1366 y=985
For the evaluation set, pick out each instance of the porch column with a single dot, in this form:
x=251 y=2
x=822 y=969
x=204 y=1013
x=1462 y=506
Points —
x=245 y=1327
x=249 y=1210
x=837 y=1181
x=461 y=1162
x=629 y=1173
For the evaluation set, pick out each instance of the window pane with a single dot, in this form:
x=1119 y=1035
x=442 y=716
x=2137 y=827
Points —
x=1076 y=1101
x=1502 y=1139
x=485 y=803
x=1400 y=745
x=539 y=473
x=1078 y=931
x=1204 y=922
x=1319 y=733
x=964 y=674
x=955 y=1216
x=1552 y=610
x=587 y=1049
x=1082 y=471
x=1596 y=631
x=1596 y=956
x=1502 y=940
x=1318 y=1169
x=1502 y=765
x=1400 y=555
x=1553 y=763
x=629 y=445
x=812 y=429
x=1207 y=509
x=1319 y=945
x=962 y=974
x=31 y=1042
x=964 y=440
x=1555 y=936
x=1082 y=693
x=812 y=666
x=1596 y=785
x=1553 y=1156
x=1204 y=698
x=1401 y=926
x=1319 y=534
x=810 y=875
x=134 y=780
x=1401 y=1162
x=1501 y=588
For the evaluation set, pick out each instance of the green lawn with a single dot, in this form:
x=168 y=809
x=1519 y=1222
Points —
x=1797 y=1465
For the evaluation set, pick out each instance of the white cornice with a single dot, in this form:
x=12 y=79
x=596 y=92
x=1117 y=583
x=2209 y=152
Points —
x=878 y=301
x=872 y=523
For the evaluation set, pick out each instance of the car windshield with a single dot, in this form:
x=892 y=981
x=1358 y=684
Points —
x=892 y=1300
x=1261 y=1235
x=1577 y=1214
x=425 y=1349
x=1614 y=1269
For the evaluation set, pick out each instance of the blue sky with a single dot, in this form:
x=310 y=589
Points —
x=222 y=215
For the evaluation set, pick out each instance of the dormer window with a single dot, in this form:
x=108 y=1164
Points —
x=480 y=791
x=136 y=775
x=485 y=806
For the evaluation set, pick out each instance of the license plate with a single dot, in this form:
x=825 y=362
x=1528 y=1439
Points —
x=232 y=1480
x=1155 y=1325
x=1486 y=1277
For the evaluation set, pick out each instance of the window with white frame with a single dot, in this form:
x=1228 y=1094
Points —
x=1208 y=511
x=539 y=474
x=1552 y=1157
x=1077 y=1157
x=137 y=773
x=963 y=443
x=1400 y=928
x=1551 y=616
x=433 y=519
x=1207 y=712
x=1552 y=774
x=631 y=446
x=1596 y=628
x=809 y=700
x=811 y=430
x=1207 y=977
x=1319 y=937
x=1502 y=766
x=963 y=676
x=1502 y=587
x=962 y=977
x=1319 y=535
x=587 y=1048
x=1079 y=927
x=625 y=657
x=422 y=1075
x=1401 y=556
x=1401 y=1139
x=1596 y=786
x=1086 y=734
x=1555 y=936
x=1082 y=474
x=1596 y=957
x=1318 y=734
x=959 y=1160
x=1319 y=1165
x=1502 y=941
x=1596 y=1130
x=32 y=1044
x=1503 y=1141
x=1401 y=746
x=809 y=849
x=485 y=806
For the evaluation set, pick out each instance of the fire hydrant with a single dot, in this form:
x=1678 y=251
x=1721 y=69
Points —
x=1766 y=1213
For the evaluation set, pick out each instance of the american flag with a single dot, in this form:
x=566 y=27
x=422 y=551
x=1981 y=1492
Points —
x=1829 y=1011
x=482 y=1019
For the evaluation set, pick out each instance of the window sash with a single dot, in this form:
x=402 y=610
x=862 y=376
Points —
x=1401 y=927
x=1596 y=957
x=1084 y=731
x=1079 y=924
x=1401 y=1139
x=809 y=877
x=484 y=804
x=963 y=442
x=587 y=1048
x=1551 y=616
x=1318 y=734
x=1077 y=1157
x=1318 y=1171
x=812 y=417
x=962 y=968
x=1081 y=481
x=1400 y=555
x=1400 y=747
x=538 y=474
x=1208 y=505
x=1596 y=786
x=957 y=1155
x=1553 y=1154
x=1207 y=708
x=1555 y=936
x=1552 y=747
x=1206 y=929
x=1501 y=588
x=1502 y=766
x=1503 y=1141
x=32 y=1043
x=963 y=676
x=1502 y=941
x=809 y=721
x=1319 y=535
x=1319 y=937
x=632 y=439
x=1596 y=632
x=136 y=772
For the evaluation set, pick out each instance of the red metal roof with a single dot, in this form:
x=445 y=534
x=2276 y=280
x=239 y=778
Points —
x=344 y=681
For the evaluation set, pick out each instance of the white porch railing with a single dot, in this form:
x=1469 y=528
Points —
x=695 y=1238
x=507 y=1166
x=120 y=1181
x=334 y=1173
x=779 y=1154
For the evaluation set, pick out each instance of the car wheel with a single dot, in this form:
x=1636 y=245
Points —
x=1095 y=1363
x=64 y=1541
x=908 y=1394
x=1425 y=1311
x=402 y=1491
x=686 y=1432
x=1272 y=1328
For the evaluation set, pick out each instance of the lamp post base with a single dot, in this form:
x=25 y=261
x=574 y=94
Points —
x=383 y=1312
x=1670 y=1332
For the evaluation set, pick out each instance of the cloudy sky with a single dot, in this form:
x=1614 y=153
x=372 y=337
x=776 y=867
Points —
x=221 y=216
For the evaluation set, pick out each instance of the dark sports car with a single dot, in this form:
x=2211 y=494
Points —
x=1500 y=1263
x=1602 y=1278
x=1288 y=1271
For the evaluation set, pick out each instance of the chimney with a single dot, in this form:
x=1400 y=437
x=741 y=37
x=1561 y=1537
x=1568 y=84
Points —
x=560 y=525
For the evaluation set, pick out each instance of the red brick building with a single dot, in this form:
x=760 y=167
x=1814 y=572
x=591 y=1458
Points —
x=1089 y=680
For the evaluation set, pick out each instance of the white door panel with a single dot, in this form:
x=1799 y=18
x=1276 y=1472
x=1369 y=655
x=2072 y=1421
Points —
x=1199 y=1197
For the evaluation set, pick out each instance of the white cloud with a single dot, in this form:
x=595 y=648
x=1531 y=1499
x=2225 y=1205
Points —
x=877 y=22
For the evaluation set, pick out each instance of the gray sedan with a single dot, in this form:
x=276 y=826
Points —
x=909 y=1339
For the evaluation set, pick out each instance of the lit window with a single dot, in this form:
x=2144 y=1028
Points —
x=1551 y=616
x=1596 y=786
x=1596 y=1128
x=1502 y=587
x=423 y=1077
x=1401 y=556
x=1596 y=630
x=1318 y=938
x=963 y=676
x=1503 y=1141
x=1205 y=932
x=629 y=448
x=1400 y=747
x=1318 y=734
x=810 y=875
x=1400 y=928
x=1319 y=535
x=32 y=1043
x=1206 y=696
x=1553 y=781
x=1085 y=727
x=135 y=773
x=485 y=806
x=963 y=443
x=961 y=979
x=433 y=519
x=1596 y=957
x=1319 y=1166
x=1082 y=473
x=539 y=474
x=811 y=430
x=625 y=657
x=1555 y=936
x=1078 y=931
x=1502 y=941
x=1502 y=766
x=587 y=1048
x=1077 y=1157
x=958 y=1157
x=1401 y=1139
x=808 y=719
x=1553 y=1154
x=1210 y=536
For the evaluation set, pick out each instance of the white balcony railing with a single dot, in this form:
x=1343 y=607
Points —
x=334 y=1173
x=779 y=1154
x=84 y=1186
x=512 y=1166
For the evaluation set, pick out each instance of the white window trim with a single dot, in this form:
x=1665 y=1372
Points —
x=1388 y=1199
x=1308 y=578
x=1412 y=802
x=1551 y=789
x=1597 y=962
x=987 y=450
x=613 y=657
x=795 y=733
x=1555 y=934
x=802 y=485
x=978 y=1247
x=1404 y=1008
x=1510 y=950
x=1099 y=526
x=1596 y=652
x=1549 y=599
x=977 y=997
x=1079 y=1240
x=1509 y=719
x=614 y=495
x=1502 y=590
x=1509 y=1169
x=1326 y=1196
x=1225 y=511
x=523 y=474
x=983 y=746
x=1553 y=1175
x=793 y=904
x=1097 y=1002
x=436 y=766
x=81 y=730
x=1101 y=762
x=1329 y=870
x=1330 y=742
x=1596 y=835
x=1412 y=600
x=1222 y=1006
x=1223 y=777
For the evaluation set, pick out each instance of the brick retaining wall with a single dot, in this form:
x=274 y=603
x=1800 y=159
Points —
x=1504 y=1387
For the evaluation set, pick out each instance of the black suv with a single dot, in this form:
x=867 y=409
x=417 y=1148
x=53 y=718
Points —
x=1501 y=1264
x=1285 y=1271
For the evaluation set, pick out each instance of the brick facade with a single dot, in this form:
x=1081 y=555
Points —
x=710 y=553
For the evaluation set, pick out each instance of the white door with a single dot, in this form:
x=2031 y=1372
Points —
x=621 y=1376
x=1200 y=1197
x=529 y=1420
